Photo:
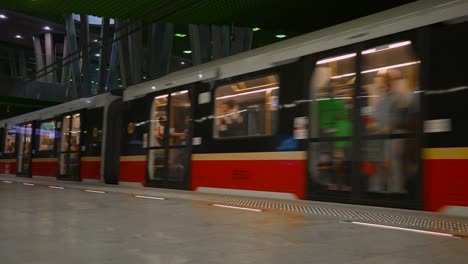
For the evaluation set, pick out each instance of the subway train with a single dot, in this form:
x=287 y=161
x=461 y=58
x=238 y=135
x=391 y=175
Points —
x=366 y=112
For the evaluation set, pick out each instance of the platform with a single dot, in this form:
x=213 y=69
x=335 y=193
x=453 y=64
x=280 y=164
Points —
x=50 y=221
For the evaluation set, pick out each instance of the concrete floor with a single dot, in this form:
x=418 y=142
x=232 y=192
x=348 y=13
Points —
x=43 y=225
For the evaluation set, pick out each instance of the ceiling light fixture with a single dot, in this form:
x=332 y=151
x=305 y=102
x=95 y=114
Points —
x=47 y=28
x=180 y=35
x=280 y=36
x=2 y=16
x=18 y=36
x=343 y=57
x=256 y=29
x=187 y=51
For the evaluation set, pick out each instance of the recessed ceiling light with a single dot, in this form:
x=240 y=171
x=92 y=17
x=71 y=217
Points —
x=182 y=62
x=187 y=51
x=18 y=36
x=47 y=28
x=256 y=29
x=180 y=35
x=97 y=55
x=95 y=40
x=280 y=36
x=2 y=16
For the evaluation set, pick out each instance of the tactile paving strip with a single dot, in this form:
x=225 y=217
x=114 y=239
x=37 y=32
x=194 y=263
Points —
x=307 y=208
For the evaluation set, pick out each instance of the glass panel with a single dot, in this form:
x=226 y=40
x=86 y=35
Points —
x=26 y=164
x=332 y=91
x=75 y=133
x=93 y=132
x=179 y=121
x=247 y=108
x=156 y=161
x=177 y=162
x=158 y=121
x=10 y=139
x=390 y=106
x=331 y=165
x=63 y=163
x=47 y=136
x=65 y=133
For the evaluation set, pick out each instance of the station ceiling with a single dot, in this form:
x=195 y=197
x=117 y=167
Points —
x=298 y=16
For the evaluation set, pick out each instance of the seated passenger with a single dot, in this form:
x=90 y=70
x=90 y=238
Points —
x=229 y=120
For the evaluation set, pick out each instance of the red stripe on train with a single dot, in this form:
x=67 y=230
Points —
x=132 y=171
x=445 y=183
x=42 y=168
x=90 y=170
x=285 y=176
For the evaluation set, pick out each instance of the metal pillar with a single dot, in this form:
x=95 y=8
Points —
x=103 y=58
x=50 y=58
x=13 y=64
x=124 y=61
x=65 y=66
x=160 y=49
x=74 y=59
x=200 y=43
x=39 y=58
x=241 y=40
x=220 y=41
x=111 y=76
x=135 y=51
x=85 y=56
x=22 y=64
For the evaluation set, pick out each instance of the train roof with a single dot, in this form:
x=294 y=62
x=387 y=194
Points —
x=50 y=112
x=399 y=19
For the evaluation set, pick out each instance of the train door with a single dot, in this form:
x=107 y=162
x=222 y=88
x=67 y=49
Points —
x=169 y=140
x=24 y=144
x=364 y=129
x=70 y=147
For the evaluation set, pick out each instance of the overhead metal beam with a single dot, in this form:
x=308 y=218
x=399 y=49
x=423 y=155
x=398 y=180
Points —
x=159 y=49
x=241 y=40
x=220 y=41
x=103 y=58
x=124 y=61
x=39 y=58
x=112 y=76
x=65 y=66
x=13 y=63
x=135 y=51
x=85 y=57
x=75 y=63
x=200 y=43
x=22 y=64
x=50 y=57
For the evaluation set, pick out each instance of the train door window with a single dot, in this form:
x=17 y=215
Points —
x=21 y=135
x=158 y=121
x=46 y=133
x=10 y=139
x=179 y=120
x=389 y=111
x=24 y=149
x=93 y=132
x=247 y=108
x=332 y=88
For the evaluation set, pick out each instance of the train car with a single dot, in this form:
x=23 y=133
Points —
x=65 y=141
x=363 y=112
x=366 y=112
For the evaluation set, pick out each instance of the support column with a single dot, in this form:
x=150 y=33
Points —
x=112 y=76
x=65 y=66
x=22 y=64
x=241 y=40
x=135 y=51
x=103 y=53
x=50 y=58
x=39 y=58
x=124 y=61
x=220 y=41
x=13 y=63
x=200 y=43
x=75 y=58
x=160 y=39
x=85 y=56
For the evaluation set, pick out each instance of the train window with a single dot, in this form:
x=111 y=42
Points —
x=46 y=136
x=65 y=133
x=10 y=139
x=179 y=120
x=390 y=105
x=247 y=108
x=158 y=121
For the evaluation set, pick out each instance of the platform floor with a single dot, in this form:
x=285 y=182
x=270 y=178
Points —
x=93 y=223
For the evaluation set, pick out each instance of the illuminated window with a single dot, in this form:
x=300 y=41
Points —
x=247 y=108
x=47 y=136
x=10 y=139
